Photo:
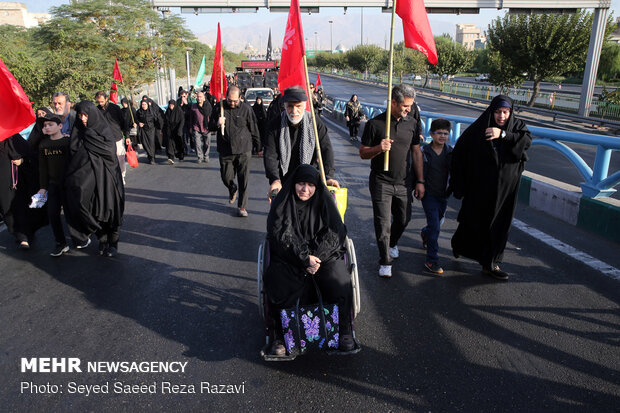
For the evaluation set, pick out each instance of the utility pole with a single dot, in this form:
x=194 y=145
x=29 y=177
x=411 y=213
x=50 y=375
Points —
x=331 y=36
x=187 y=50
x=362 y=28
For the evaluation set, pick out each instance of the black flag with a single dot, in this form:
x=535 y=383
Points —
x=268 y=55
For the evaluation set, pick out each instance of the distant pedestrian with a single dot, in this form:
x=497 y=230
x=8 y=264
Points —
x=234 y=145
x=146 y=130
x=353 y=115
x=173 y=129
x=201 y=113
x=185 y=102
x=95 y=195
x=390 y=190
x=487 y=163
x=261 y=119
x=129 y=126
x=437 y=156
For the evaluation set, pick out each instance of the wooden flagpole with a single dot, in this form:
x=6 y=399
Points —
x=316 y=134
x=388 y=110
x=222 y=94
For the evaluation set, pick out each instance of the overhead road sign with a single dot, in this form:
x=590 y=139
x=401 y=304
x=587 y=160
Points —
x=432 y=6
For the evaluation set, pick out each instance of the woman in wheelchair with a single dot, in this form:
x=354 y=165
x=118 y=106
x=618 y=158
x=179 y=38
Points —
x=306 y=237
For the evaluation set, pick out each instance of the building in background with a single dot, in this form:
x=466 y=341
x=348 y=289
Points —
x=17 y=15
x=470 y=36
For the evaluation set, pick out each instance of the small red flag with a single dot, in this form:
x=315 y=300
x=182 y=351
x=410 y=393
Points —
x=218 y=75
x=318 y=80
x=416 y=28
x=116 y=75
x=17 y=113
x=292 y=72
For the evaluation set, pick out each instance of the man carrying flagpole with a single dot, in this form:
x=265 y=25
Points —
x=397 y=132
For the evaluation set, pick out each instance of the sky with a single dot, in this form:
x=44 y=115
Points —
x=204 y=23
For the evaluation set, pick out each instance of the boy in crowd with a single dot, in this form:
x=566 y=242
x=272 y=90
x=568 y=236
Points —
x=436 y=157
x=53 y=154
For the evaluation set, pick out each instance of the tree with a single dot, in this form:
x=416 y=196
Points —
x=365 y=58
x=453 y=57
x=609 y=66
x=537 y=47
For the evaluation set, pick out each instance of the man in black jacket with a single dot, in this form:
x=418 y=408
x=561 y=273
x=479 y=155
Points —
x=289 y=141
x=236 y=132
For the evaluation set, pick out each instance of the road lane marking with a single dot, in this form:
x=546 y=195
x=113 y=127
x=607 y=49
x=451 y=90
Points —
x=568 y=250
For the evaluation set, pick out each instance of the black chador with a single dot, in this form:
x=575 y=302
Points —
x=486 y=174
x=94 y=192
x=173 y=129
x=146 y=133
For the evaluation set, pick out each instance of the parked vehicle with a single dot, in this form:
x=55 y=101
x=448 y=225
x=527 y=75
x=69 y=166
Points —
x=484 y=77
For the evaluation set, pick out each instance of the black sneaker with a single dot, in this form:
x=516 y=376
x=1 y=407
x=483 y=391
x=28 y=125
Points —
x=433 y=267
x=59 y=250
x=110 y=252
x=496 y=273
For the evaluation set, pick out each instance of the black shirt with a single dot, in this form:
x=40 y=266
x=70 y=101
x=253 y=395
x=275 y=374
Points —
x=405 y=133
x=52 y=158
x=240 y=129
x=436 y=171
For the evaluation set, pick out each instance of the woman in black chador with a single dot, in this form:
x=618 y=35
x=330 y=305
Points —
x=95 y=196
x=146 y=129
x=173 y=128
x=487 y=163
x=353 y=114
x=306 y=236
x=19 y=175
x=261 y=117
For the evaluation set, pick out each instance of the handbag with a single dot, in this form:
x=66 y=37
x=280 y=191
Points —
x=310 y=327
x=132 y=157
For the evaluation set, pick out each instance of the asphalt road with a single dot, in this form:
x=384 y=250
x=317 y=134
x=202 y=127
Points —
x=183 y=289
x=544 y=86
x=543 y=160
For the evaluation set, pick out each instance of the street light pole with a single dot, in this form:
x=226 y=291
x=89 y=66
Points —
x=316 y=44
x=187 y=50
x=331 y=36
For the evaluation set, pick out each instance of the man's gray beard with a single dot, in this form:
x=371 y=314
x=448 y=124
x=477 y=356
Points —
x=296 y=121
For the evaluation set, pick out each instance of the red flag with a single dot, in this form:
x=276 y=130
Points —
x=417 y=29
x=218 y=73
x=292 y=72
x=17 y=112
x=116 y=75
x=318 y=81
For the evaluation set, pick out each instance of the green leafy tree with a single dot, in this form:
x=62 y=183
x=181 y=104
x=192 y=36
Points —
x=537 y=47
x=452 y=57
x=365 y=58
x=609 y=66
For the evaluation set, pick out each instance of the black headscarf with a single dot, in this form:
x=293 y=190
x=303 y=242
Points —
x=174 y=115
x=93 y=183
x=296 y=228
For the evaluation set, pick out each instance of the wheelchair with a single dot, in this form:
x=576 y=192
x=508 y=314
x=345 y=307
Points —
x=263 y=303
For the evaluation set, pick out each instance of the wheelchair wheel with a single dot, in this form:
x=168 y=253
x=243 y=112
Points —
x=352 y=267
x=259 y=278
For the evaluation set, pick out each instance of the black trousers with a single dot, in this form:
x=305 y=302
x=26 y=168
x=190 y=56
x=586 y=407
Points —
x=239 y=165
x=354 y=128
x=175 y=147
x=391 y=207
x=54 y=208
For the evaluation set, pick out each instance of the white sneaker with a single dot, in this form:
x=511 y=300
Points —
x=394 y=251
x=385 y=271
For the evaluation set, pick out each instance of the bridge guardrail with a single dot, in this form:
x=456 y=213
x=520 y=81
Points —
x=598 y=183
